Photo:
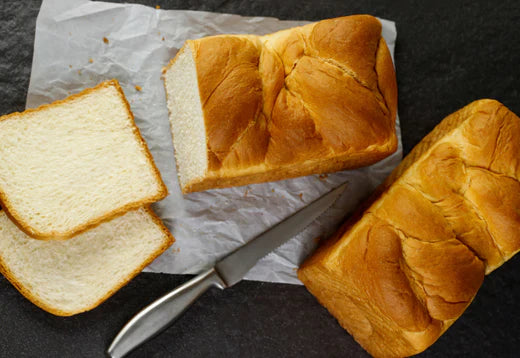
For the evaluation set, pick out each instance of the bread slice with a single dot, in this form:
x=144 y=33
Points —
x=68 y=166
x=76 y=275
x=312 y=99
x=401 y=275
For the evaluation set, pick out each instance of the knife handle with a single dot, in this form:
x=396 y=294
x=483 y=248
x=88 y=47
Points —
x=161 y=313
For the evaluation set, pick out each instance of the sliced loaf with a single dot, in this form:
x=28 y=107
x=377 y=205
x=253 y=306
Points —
x=312 y=99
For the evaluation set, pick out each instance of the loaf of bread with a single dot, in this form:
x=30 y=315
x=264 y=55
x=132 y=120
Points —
x=72 y=276
x=68 y=166
x=398 y=277
x=312 y=99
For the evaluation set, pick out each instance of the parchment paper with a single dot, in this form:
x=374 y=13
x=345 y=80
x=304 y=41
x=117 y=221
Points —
x=80 y=43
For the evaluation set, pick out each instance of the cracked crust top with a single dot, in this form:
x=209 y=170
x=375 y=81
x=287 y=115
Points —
x=401 y=275
x=316 y=98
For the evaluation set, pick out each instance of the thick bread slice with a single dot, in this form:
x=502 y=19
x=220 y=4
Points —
x=312 y=99
x=398 y=277
x=68 y=166
x=76 y=275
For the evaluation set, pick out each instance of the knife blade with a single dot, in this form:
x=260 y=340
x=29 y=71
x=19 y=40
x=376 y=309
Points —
x=228 y=271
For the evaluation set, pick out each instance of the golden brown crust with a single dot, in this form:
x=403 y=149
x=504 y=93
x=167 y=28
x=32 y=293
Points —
x=26 y=292
x=261 y=175
x=312 y=99
x=52 y=235
x=398 y=277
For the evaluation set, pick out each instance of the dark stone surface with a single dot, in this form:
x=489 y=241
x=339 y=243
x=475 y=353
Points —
x=447 y=55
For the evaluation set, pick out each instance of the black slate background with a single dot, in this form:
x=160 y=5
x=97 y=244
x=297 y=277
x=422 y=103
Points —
x=447 y=55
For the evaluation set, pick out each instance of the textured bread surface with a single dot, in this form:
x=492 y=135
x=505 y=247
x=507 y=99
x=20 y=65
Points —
x=76 y=275
x=311 y=99
x=67 y=166
x=398 y=277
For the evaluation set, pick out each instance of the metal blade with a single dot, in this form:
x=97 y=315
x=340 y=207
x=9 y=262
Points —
x=234 y=267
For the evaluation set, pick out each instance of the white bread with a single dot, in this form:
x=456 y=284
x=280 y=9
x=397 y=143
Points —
x=398 y=277
x=312 y=99
x=72 y=276
x=68 y=166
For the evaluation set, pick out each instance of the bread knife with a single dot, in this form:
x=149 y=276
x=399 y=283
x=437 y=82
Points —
x=231 y=269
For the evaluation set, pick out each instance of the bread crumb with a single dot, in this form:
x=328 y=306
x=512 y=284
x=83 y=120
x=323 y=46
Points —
x=295 y=269
x=79 y=72
x=317 y=239
x=90 y=60
x=138 y=88
x=157 y=7
x=272 y=190
x=163 y=38
x=159 y=33
x=301 y=195
x=70 y=66
x=105 y=40
x=163 y=71
x=245 y=194
x=323 y=176
x=70 y=33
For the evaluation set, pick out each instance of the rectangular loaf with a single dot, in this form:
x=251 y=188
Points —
x=312 y=99
x=398 y=277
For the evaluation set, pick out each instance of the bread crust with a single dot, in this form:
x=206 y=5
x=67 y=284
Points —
x=26 y=292
x=54 y=235
x=312 y=99
x=398 y=276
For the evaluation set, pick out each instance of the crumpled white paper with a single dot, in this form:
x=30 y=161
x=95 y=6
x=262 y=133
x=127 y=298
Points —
x=71 y=53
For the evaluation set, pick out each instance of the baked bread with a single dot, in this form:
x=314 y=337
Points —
x=68 y=166
x=398 y=277
x=72 y=276
x=312 y=99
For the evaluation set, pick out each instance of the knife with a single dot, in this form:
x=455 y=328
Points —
x=231 y=269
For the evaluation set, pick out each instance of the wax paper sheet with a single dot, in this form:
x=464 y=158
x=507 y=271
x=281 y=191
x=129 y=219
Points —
x=80 y=43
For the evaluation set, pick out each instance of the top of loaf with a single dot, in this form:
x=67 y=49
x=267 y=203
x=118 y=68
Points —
x=320 y=79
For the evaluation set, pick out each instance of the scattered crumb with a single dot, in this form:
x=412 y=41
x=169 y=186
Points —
x=90 y=60
x=272 y=190
x=70 y=33
x=157 y=7
x=69 y=93
x=159 y=33
x=138 y=88
x=301 y=195
x=245 y=194
x=323 y=176
x=163 y=38
x=317 y=239
x=295 y=268
x=70 y=66
x=79 y=72
x=163 y=71
x=105 y=40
